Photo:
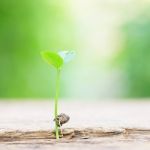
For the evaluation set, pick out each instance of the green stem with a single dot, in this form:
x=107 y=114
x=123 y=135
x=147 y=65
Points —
x=56 y=103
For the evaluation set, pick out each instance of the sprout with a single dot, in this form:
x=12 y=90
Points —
x=57 y=60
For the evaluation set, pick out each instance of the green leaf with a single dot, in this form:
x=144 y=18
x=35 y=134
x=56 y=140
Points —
x=53 y=58
x=67 y=55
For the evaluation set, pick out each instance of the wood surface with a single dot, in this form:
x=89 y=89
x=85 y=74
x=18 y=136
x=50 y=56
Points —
x=105 y=125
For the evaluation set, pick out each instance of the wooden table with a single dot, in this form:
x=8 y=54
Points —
x=104 y=125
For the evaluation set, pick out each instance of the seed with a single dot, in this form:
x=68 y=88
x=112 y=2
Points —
x=62 y=119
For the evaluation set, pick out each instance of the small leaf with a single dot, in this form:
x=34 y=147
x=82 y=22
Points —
x=53 y=58
x=67 y=55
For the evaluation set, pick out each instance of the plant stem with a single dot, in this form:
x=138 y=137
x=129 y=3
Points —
x=56 y=103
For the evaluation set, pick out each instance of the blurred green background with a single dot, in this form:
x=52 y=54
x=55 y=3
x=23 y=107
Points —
x=111 y=39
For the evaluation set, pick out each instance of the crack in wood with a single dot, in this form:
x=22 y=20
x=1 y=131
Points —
x=71 y=133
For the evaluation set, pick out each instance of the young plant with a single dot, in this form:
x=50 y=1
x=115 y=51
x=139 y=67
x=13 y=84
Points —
x=57 y=60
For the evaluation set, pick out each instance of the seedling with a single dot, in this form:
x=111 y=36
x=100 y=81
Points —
x=57 y=60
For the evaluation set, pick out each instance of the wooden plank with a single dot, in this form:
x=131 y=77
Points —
x=93 y=125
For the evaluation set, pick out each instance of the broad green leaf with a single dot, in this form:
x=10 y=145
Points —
x=67 y=55
x=53 y=58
